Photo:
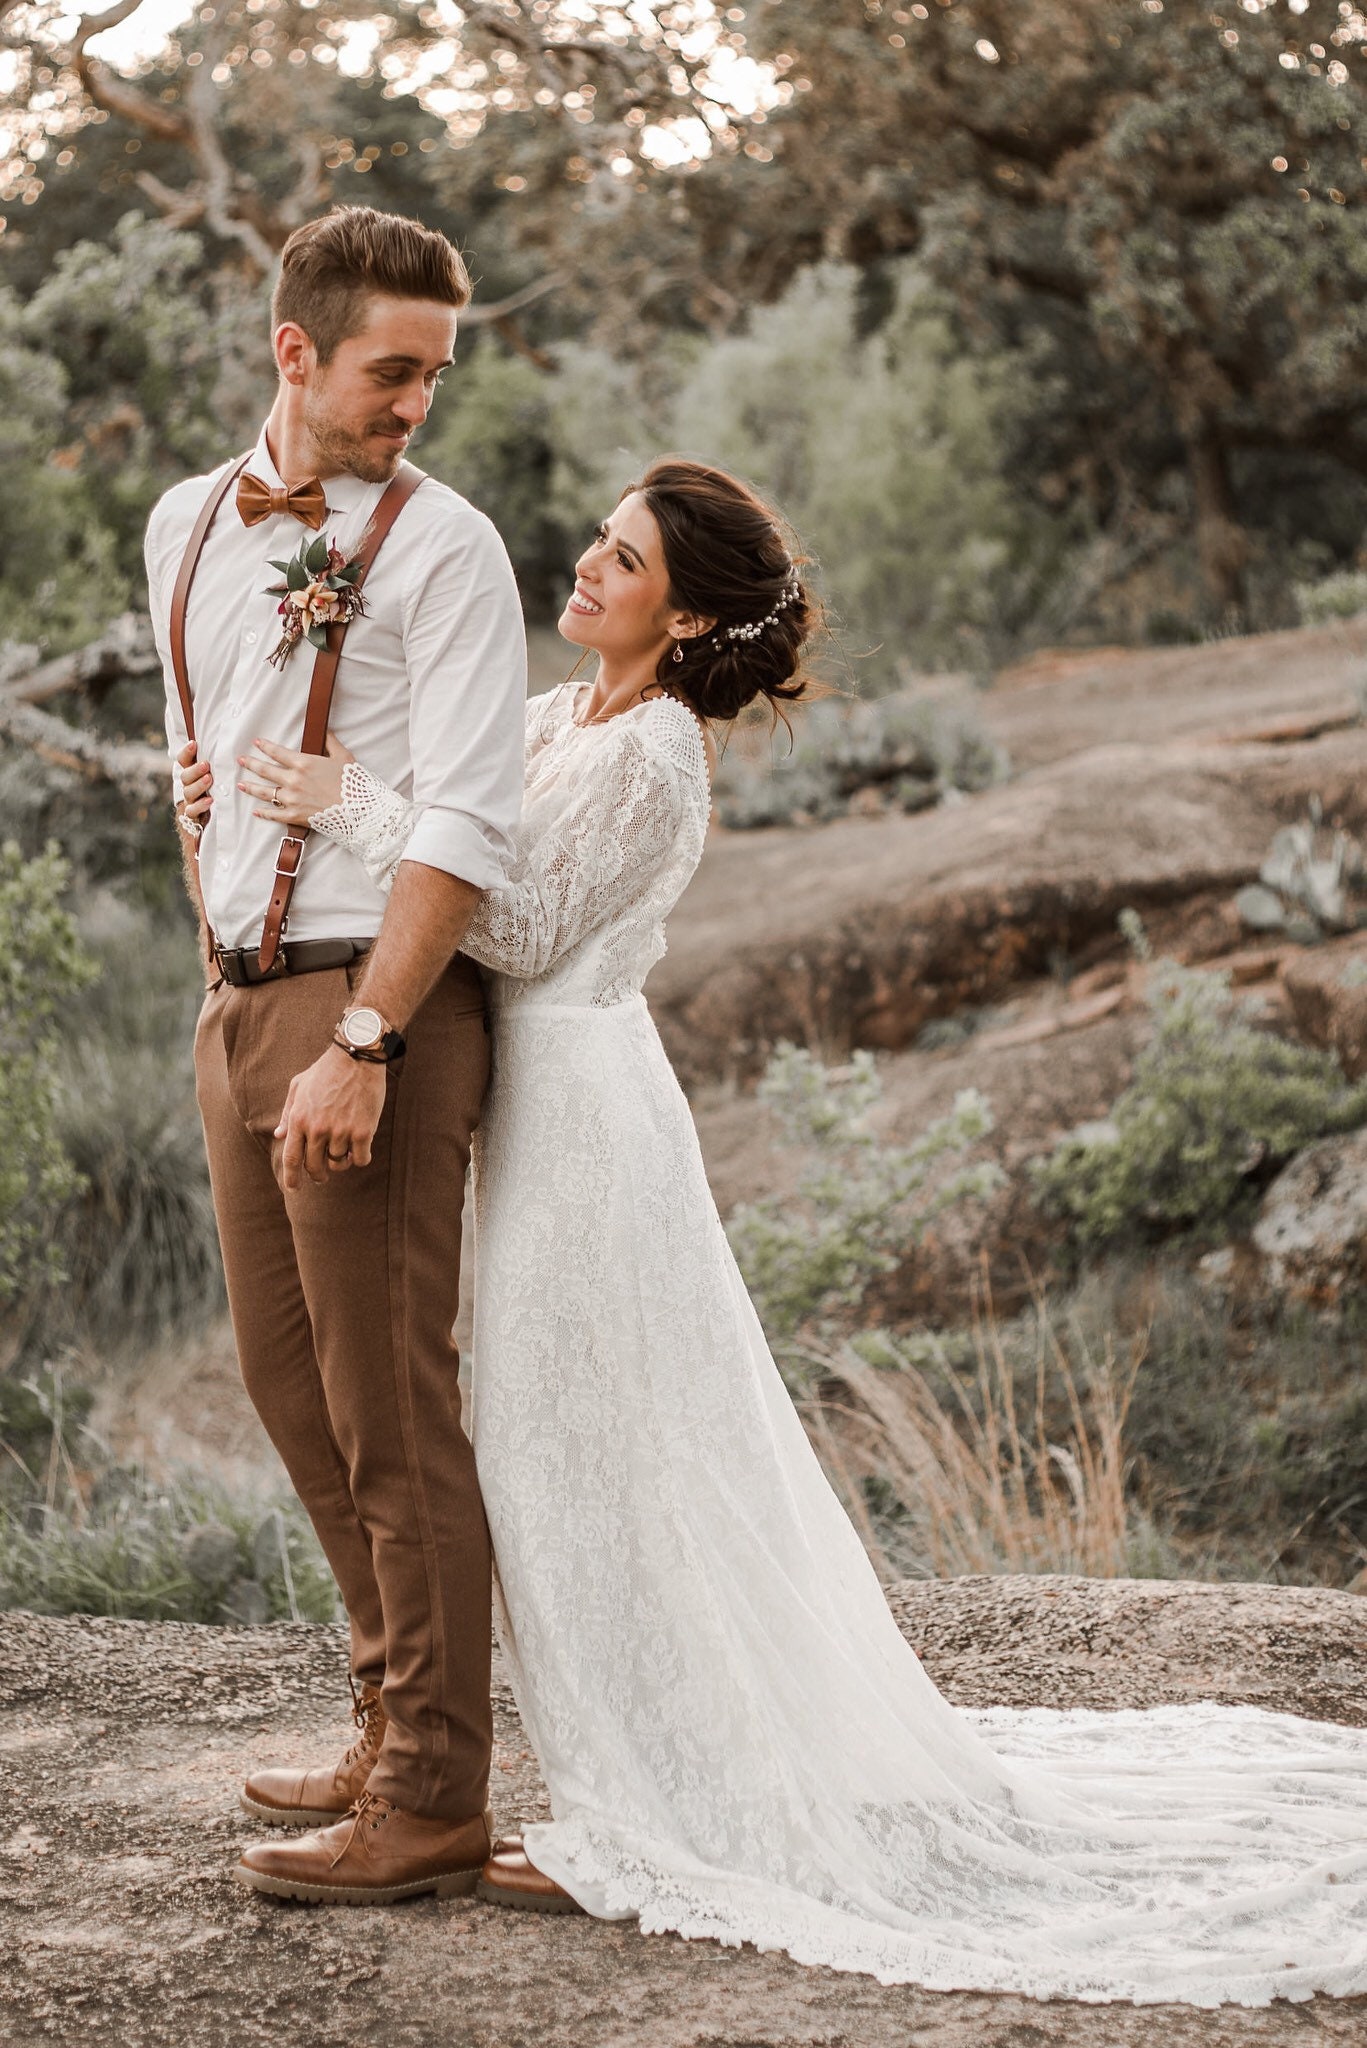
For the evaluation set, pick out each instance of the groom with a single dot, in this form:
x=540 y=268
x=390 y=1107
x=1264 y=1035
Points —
x=342 y=1050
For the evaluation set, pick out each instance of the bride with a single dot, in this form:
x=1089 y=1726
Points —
x=737 y=1741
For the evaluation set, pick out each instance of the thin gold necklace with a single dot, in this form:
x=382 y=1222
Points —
x=606 y=718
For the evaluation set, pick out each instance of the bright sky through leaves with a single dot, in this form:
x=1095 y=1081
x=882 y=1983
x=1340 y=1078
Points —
x=736 y=84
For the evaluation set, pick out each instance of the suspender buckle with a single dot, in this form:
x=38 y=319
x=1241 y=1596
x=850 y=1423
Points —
x=290 y=839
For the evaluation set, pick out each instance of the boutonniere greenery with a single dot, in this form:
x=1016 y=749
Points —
x=319 y=588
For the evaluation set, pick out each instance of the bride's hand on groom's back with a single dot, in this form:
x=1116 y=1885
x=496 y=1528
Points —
x=289 y=787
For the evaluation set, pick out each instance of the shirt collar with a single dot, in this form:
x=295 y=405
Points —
x=347 y=494
x=260 y=464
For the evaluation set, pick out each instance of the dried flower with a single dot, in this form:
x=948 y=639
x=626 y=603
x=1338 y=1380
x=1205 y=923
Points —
x=319 y=590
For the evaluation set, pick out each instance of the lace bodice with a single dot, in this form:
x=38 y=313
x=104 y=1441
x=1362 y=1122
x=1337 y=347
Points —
x=613 y=824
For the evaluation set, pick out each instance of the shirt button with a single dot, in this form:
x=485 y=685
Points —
x=249 y=639
x=234 y=705
x=223 y=863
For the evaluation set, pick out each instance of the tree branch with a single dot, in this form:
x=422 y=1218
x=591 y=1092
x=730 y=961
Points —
x=499 y=310
x=180 y=209
x=112 y=93
x=220 y=209
x=126 y=648
x=142 y=772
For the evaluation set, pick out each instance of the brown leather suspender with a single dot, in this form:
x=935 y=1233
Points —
x=320 y=706
x=321 y=683
x=185 y=576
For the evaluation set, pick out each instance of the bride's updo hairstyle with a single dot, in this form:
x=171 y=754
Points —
x=727 y=560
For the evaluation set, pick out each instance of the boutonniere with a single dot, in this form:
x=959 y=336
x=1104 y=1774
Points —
x=319 y=587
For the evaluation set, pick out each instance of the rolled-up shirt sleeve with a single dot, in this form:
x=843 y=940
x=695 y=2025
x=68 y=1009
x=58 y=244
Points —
x=465 y=650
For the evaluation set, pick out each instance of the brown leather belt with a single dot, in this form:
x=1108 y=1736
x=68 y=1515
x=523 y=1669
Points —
x=240 y=966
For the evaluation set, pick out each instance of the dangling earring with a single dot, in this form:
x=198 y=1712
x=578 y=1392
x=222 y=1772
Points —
x=678 y=653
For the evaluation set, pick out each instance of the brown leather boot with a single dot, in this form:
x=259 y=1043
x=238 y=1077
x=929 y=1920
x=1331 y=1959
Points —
x=376 y=1855
x=509 y=1879
x=314 y=1799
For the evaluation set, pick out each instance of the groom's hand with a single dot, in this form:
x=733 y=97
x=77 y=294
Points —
x=329 y=1118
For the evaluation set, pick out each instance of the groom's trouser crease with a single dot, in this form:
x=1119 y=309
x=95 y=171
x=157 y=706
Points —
x=342 y=1298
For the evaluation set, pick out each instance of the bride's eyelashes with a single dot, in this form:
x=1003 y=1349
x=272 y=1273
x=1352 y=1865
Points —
x=600 y=534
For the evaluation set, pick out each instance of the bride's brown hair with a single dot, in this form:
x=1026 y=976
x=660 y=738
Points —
x=727 y=559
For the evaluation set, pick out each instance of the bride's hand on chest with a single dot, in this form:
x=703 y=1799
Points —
x=289 y=788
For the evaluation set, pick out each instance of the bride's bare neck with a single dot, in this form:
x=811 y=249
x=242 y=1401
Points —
x=613 y=691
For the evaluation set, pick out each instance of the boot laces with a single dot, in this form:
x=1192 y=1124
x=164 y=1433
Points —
x=369 y=1810
x=366 y=1713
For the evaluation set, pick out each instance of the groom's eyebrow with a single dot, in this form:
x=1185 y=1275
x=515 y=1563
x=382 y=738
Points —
x=401 y=362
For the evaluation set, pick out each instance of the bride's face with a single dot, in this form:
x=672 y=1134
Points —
x=620 y=603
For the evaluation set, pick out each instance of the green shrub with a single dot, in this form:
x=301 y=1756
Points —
x=909 y=746
x=1215 y=1106
x=42 y=965
x=132 y=1226
x=1315 y=1453
x=1340 y=596
x=1247 y=1424
x=184 y=1551
x=138 y=1237
x=860 y=1204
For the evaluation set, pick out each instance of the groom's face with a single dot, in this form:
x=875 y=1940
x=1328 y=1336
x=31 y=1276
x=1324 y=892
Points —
x=361 y=407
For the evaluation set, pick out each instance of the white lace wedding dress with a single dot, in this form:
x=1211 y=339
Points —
x=736 y=1739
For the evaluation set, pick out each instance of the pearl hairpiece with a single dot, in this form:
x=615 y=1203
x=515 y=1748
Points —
x=754 y=628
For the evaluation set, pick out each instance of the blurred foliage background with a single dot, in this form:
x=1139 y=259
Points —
x=1045 y=321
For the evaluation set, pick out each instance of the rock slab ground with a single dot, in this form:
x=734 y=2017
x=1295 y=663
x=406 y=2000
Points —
x=122 y=1744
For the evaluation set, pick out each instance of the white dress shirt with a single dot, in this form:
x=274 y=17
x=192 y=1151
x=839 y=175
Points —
x=430 y=691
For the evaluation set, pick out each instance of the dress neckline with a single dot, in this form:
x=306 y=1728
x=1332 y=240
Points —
x=571 y=724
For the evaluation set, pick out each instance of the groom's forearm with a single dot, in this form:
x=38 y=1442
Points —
x=426 y=918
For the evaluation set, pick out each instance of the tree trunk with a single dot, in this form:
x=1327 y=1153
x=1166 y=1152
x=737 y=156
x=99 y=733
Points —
x=1221 y=542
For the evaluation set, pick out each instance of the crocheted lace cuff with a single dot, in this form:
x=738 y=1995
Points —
x=372 y=821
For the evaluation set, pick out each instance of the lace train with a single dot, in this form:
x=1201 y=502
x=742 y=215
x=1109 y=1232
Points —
x=737 y=1741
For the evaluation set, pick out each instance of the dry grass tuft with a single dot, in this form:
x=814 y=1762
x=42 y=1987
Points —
x=977 y=1475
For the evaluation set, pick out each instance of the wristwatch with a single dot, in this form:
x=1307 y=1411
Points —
x=365 y=1036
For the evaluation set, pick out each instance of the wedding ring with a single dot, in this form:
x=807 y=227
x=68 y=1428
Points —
x=338 y=1157
x=275 y=796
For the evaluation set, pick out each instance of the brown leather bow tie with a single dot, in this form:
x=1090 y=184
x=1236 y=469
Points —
x=256 y=500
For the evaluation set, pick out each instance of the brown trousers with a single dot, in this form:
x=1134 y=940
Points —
x=343 y=1297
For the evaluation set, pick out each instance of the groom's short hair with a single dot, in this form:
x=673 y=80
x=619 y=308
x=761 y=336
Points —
x=331 y=266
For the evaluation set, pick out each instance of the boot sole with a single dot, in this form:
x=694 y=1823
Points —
x=291 y=1816
x=526 y=1902
x=454 y=1884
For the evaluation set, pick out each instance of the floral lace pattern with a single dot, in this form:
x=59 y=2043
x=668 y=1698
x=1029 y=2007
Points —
x=737 y=1740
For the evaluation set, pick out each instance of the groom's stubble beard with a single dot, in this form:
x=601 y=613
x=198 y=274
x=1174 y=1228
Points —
x=340 y=445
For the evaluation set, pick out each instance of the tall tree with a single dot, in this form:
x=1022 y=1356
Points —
x=1159 y=203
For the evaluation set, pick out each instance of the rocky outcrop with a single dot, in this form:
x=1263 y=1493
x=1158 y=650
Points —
x=122 y=1744
x=858 y=932
x=1279 y=687
x=1311 y=1232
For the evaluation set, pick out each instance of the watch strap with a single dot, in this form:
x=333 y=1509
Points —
x=390 y=1046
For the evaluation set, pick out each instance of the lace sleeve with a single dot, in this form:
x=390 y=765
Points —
x=372 y=821
x=591 y=861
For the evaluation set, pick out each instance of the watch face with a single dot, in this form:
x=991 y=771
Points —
x=362 y=1027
